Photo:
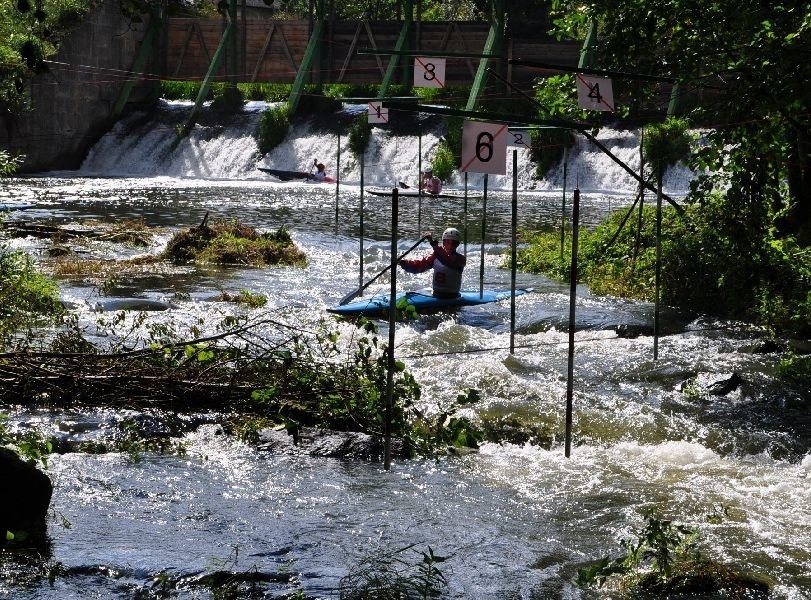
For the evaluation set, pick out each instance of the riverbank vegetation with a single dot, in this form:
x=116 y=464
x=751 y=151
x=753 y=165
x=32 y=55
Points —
x=741 y=249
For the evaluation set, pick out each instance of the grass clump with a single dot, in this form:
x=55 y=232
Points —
x=233 y=243
x=243 y=297
x=274 y=125
x=360 y=134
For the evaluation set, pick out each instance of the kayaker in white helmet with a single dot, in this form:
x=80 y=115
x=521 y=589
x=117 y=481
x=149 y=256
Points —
x=446 y=262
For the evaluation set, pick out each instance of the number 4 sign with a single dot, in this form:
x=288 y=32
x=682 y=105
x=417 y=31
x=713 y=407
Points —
x=484 y=147
x=594 y=93
x=429 y=72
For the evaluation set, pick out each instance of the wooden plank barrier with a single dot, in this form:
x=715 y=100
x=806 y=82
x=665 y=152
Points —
x=274 y=49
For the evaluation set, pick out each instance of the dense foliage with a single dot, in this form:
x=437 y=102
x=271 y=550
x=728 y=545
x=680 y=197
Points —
x=741 y=250
x=664 y=562
x=703 y=266
x=28 y=299
x=741 y=68
x=30 y=33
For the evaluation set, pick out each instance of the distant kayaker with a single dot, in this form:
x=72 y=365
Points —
x=430 y=184
x=320 y=174
x=446 y=262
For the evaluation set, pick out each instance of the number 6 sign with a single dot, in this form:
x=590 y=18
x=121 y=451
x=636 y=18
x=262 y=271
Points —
x=429 y=72
x=484 y=148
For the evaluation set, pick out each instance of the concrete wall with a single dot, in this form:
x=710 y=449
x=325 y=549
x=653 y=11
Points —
x=72 y=105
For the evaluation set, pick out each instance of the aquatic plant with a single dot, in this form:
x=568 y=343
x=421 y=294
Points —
x=28 y=299
x=273 y=127
x=9 y=163
x=360 y=134
x=390 y=574
x=246 y=297
x=729 y=272
x=226 y=242
x=664 y=559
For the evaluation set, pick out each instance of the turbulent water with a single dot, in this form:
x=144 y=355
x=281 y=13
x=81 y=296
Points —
x=515 y=521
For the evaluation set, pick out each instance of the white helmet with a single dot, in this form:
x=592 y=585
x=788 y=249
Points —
x=451 y=233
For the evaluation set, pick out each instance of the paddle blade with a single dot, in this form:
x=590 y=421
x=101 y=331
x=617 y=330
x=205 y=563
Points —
x=349 y=297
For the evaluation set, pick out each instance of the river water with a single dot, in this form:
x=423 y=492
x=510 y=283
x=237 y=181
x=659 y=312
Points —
x=515 y=521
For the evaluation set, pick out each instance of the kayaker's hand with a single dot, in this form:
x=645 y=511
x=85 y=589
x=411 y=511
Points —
x=428 y=237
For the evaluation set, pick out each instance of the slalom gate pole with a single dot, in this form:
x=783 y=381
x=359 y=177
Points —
x=419 y=182
x=658 y=276
x=514 y=251
x=337 y=181
x=360 y=275
x=563 y=205
x=484 y=226
x=390 y=350
x=572 y=303
x=465 y=214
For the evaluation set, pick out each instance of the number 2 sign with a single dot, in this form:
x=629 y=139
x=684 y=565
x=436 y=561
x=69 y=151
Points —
x=429 y=72
x=594 y=93
x=519 y=139
x=484 y=147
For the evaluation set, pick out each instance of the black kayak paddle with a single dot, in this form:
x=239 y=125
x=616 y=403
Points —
x=352 y=295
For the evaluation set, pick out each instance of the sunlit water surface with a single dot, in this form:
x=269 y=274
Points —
x=515 y=522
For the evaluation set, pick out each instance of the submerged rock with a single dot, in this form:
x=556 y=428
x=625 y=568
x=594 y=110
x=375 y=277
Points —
x=327 y=443
x=724 y=385
x=140 y=304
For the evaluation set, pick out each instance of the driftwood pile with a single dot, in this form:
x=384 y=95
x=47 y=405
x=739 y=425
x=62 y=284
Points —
x=210 y=373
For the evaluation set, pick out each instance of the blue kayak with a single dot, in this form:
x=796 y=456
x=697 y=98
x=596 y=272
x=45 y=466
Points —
x=378 y=305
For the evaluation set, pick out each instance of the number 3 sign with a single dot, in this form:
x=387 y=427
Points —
x=484 y=147
x=429 y=72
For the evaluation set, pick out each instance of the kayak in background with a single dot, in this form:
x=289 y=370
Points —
x=7 y=207
x=414 y=193
x=378 y=305
x=283 y=175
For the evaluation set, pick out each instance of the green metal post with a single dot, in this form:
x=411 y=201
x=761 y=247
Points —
x=313 y=50
x=494 y=43
x=401 y=45
x=212 y=69
x=138 y=64
x=587 y=52
x=232 y=51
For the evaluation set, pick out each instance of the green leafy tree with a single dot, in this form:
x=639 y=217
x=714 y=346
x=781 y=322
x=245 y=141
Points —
x=744 y=64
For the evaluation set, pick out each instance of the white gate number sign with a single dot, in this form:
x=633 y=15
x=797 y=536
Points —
x=484 y=147
x=594 y=93
x=429 y=72
x=519 y=139
x=378 y=114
